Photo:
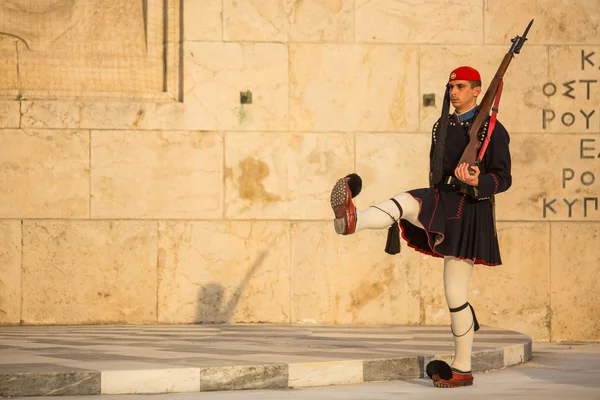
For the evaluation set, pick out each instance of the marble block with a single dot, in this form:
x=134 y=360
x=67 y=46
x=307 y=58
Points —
x=224 y=272
x=425 y=22
x=514 y=355
x=46 y=174
x=10 y=272
x=50 y=384
x=354 y=87
x=10 y=114
x=555 y=177
x=249 y=377
x=216 y=74
x=403 y=157
x=151 y=381
x=392 y=369
x=325 y=373
x=554 y=21
x=202 y=20
x=156 y=174
x=89 y=114
x=282 y=175
x=575 y=279
x=288 y=20
x=9 y=74
x=487 y=360
x=78 y=272
x=524 y=248
x=572 y=90
x=351 y=279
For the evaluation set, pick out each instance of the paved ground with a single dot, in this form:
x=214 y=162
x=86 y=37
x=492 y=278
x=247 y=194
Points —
x=556 y=372
x=88 y=360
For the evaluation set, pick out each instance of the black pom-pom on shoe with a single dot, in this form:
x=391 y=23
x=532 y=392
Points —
x=439 y=368
x=355 y=184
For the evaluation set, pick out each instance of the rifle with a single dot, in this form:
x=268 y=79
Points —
x=494 y=91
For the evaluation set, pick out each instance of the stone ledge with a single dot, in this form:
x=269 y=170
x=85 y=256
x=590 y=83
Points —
x=253 y=357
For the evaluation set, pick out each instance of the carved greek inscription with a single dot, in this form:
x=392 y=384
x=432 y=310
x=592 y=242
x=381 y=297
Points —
x=581 y=91
x=573 y=180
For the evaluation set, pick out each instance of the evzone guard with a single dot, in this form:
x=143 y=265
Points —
x=452 y=219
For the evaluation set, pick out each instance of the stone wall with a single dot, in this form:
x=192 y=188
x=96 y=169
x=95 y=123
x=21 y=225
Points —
x=137 y=188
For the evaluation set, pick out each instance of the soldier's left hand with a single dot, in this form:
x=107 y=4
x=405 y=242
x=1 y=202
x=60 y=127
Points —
x=462 y=173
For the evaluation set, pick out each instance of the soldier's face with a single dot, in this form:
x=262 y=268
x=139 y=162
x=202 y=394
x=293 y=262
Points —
x=462 y=96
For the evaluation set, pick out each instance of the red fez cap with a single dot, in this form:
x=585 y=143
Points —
x=464 y=74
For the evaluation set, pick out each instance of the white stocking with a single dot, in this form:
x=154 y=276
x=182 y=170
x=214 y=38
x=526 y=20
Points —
x=457 y=274
x=380 y=215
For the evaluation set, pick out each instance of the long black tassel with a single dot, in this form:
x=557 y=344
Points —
x=437 y=161
x=392 y=245
x=475 y=323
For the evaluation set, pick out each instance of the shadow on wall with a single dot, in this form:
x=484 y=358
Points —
x=212 y=297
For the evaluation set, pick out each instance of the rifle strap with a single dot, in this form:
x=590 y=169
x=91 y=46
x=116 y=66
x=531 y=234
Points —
x=492 y=124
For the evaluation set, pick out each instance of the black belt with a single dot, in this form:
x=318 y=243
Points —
x=451 y=180
x=463 y=187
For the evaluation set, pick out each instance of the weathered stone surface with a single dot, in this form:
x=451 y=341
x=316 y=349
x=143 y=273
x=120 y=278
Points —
x=514 y=355
x=42 y=74
x=572 y=90
x=553 y=175
x=282 y=175
x=555 y=22
x=433 y=301
x=202 y=20
x=487 y=360
x=93 y=114
x=285 y=20
x=50 y=384
x=335 y=87
x=402 y=21
x=151 y=381
x=575 y=279
x=244 y=377
x=524 y=248
x=156 y=174
x=224 y=272
x=89 y=114
x=259 y=20
x=525 y=255
x=392 y=369
x=321 y=20
x=403 y=157
x=89 y=272
x=325 y=373
x=68 y=24
x=10 y=272
x=10 y=115
x=46 y=174
x=89 y=47
x=9 y=82
x=528 y=350
x=522 y=99
x=350 y=279
x=216 y=74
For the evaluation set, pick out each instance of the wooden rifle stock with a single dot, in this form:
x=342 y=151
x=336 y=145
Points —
x=470 y=153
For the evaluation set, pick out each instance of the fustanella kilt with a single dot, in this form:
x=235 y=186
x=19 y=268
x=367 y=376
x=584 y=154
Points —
x=455 y=225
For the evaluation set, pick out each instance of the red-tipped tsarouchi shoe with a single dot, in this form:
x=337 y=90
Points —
x=444 y=376
x=341 y=202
